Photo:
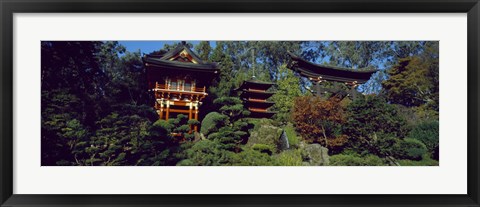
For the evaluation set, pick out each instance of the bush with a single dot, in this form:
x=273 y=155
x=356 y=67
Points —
x=206 y=153
x=290 y=158
x=428 y=133
x=293 y=140
x=266 y=134
x=383 y=144
x=371 y=114
x=212 y=122
x=185 y=162
x=426 y=161
x=411 y=149
x=356 y=160
x=263 y=148
x=369 y=117
x=250 y=157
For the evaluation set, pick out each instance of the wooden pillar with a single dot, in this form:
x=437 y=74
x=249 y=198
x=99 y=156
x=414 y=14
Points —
x=195 y=128
x=190 y=110
x=316 y=85
x=167 y=110
x=190 y=106
x=161 y=109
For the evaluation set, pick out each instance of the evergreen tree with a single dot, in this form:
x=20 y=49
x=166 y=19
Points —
x=287 y=89
x=235 y=130
x=203 y=50
x=414 y=80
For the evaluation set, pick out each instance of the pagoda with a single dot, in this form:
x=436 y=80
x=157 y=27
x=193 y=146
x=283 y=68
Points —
x=318 y=73
x=179 y=80
x=254 y=95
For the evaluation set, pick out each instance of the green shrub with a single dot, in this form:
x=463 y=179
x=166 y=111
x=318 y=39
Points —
x=263 y=148
x=250 y=157
x=428 y=133
x=411 y=149
x=426 y=161
x=290 y=158
x=293 y=140
x=266 y=134
x=383 y=145
x=163 y=127
x=369 y=116
x=261 y=122
x=356 y=160
x=212 y=122
x=207 y=153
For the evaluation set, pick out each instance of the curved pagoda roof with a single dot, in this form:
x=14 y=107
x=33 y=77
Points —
x=255 y=94
x=258 y=104
x=329 y=73
x=262 y=114
x=181 y=58
x=255 y=84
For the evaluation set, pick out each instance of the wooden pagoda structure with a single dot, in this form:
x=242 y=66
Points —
x=318 y=73
x=179 y=79
x=254 y=95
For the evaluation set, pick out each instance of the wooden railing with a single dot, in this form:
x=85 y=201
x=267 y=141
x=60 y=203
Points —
x=181 y=88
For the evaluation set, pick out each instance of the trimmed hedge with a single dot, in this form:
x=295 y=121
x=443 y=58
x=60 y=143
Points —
x=428 y=133
x=212 y=123
x=411 y=149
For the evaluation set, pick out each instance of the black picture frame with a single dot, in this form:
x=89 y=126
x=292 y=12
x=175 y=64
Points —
x=10 y=7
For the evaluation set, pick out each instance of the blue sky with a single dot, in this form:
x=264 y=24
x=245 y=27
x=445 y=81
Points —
x=146 y=47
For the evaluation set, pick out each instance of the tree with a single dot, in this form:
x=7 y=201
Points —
x=414 y=79
x=319 y=121
x=223 y=85
x=118 y=137
x=93 y=104
x=411 y=82
x=270 y=55
x=288 y=88
x=71 y=83
x=61 y=129
x=368 y=119
x=235 y=129
x=203 y=50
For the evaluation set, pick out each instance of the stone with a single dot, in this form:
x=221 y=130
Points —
x=265 y=134
x=197 y=136
x=283 y=141
x=317 y=155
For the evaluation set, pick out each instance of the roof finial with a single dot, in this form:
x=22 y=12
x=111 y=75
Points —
x=253 y=63
x=184 y=42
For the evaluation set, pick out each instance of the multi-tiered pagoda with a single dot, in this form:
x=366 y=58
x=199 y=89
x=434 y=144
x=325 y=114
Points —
x=179 y=79
x=254 y=95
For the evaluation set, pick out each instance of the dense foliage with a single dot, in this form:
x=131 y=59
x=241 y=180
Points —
x=97 y=110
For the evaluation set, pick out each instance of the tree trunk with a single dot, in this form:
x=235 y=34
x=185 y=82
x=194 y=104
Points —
x=325 y=136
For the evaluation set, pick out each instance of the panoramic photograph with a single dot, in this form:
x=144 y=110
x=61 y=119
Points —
x=240 y=103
